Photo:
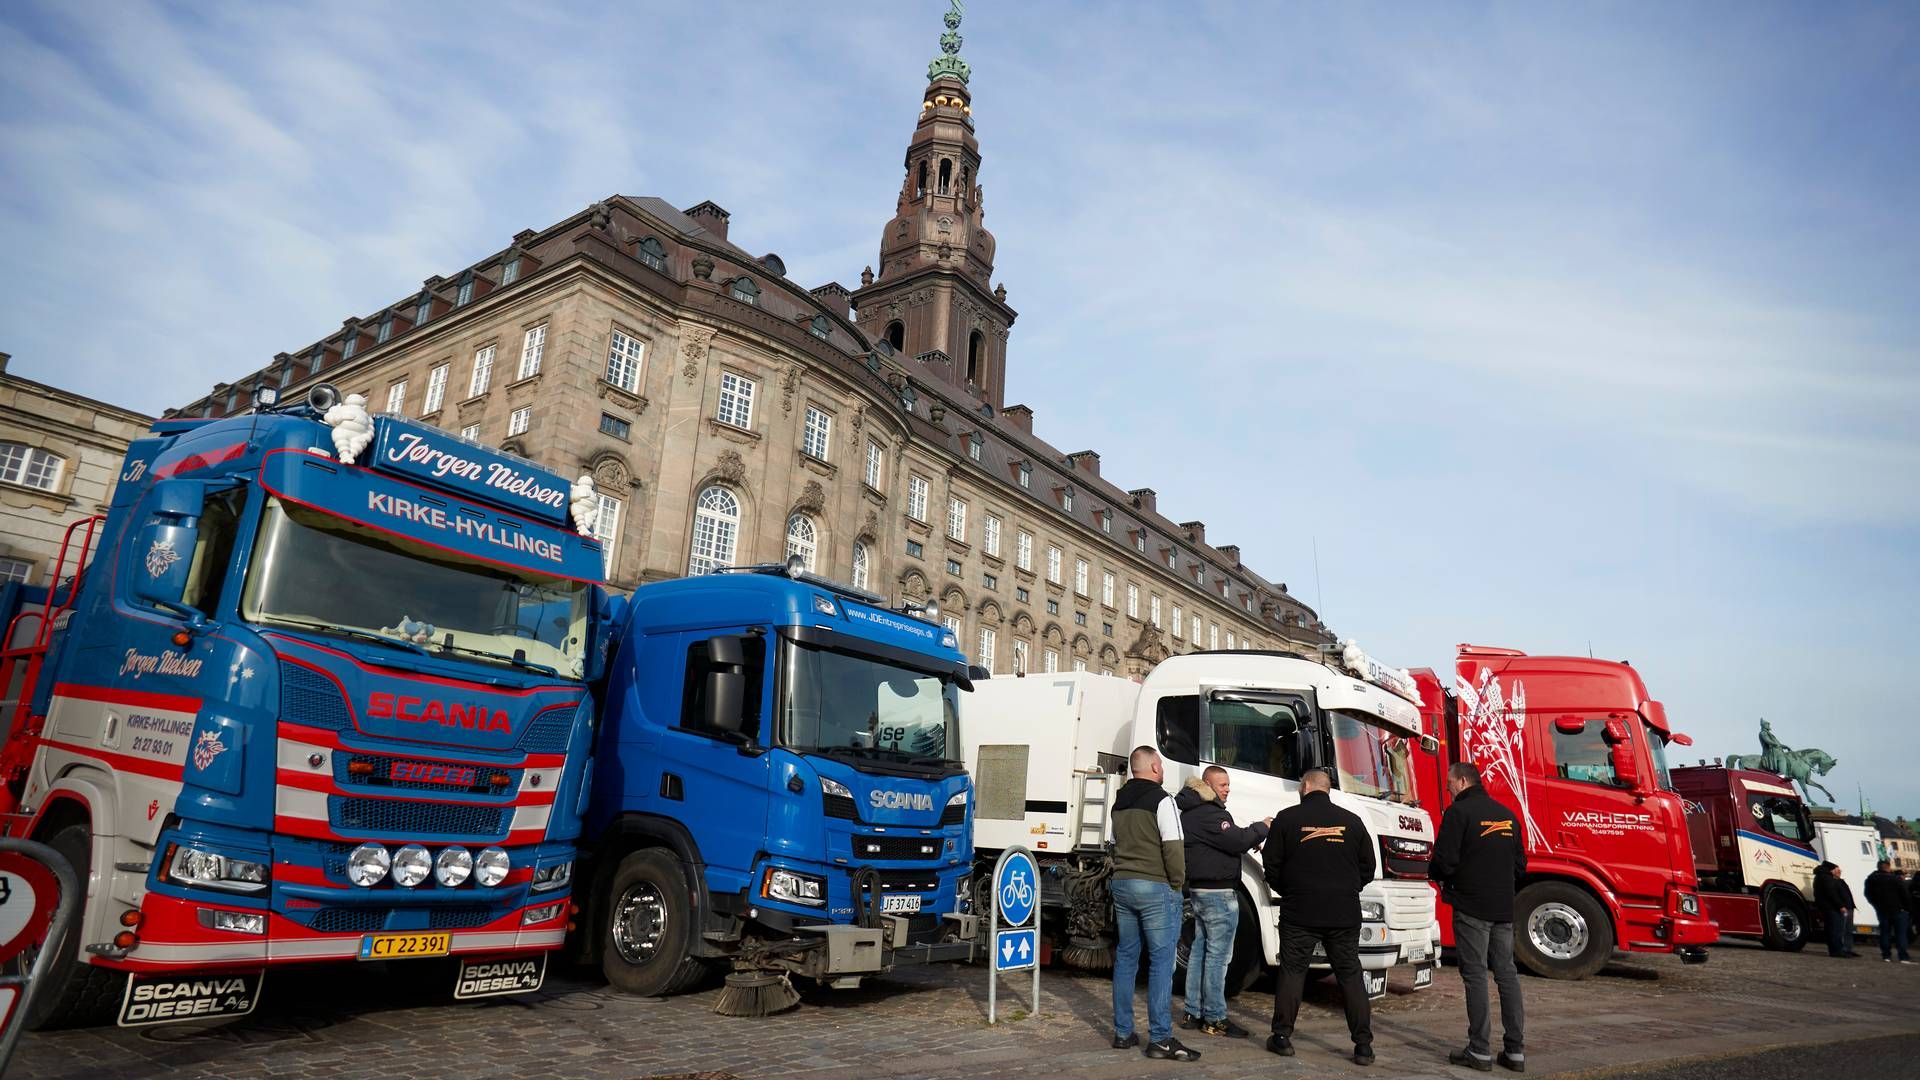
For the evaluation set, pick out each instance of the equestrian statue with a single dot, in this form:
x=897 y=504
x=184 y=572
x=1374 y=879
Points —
x=1799 y=766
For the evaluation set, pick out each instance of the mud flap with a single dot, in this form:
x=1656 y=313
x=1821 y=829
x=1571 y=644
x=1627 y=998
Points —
x=498 y=976
x=1376 y=982
x=170 y=999
x=1422 y=976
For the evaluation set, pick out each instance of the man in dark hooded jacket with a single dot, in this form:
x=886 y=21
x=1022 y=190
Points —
x=1834 y=900
x=1214 y=848
x=1888 y=894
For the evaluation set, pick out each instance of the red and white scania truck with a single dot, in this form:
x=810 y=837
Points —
x=1577 y=748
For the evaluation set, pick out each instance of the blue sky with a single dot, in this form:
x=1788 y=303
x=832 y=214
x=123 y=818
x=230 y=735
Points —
x=1547 y=326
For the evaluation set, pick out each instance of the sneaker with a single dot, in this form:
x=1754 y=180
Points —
x=1127 y=1043
x=1906 y=961
x=1279 y=1045
x=1171 y=1050
x=1466 y=1060
x=1190 y=1022
x=1886 y=959
x=1363 y=1054
x=1224 y=1028
x=1511 y=1063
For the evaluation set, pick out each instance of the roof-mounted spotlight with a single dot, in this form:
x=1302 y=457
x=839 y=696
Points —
x=323 y=397
x=796 y=565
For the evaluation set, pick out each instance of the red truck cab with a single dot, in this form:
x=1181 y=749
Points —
x=1577 y=749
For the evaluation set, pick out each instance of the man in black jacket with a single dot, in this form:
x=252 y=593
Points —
x=1888 y=895
x=1834 y=900
x=1318 y=858
x=1214 y=847
x=1478 y=860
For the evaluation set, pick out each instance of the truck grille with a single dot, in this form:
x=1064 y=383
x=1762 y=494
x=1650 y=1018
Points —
x=896 y=847
x=549 y=732
x=306 y=697
x=366 y=920
x=905 y=881
x=416 y=818
x=840 y=807
x=384 y=768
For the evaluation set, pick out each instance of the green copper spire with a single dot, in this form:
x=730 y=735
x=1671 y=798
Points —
x=949 y=62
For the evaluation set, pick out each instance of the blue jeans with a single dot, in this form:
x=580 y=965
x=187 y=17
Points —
x=1839 y=932
x=1893 y=931
x=1216 y=915
x=1146 y=911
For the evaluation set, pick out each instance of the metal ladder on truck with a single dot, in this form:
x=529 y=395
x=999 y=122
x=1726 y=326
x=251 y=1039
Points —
x=23 y=651
x=1092 y=814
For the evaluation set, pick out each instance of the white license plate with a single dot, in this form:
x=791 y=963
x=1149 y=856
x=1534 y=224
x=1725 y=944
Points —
x=899 y=905
x=1418 y=953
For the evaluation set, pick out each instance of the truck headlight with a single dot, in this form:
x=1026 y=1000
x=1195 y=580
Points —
x=959 y=799
x=794 y=887
x=1689 y=904
x=368 y=864
x=453 y=866
x=834 y=787
x=1373 y=911
x=552 y=877
x=490 y=868
x=196 y=867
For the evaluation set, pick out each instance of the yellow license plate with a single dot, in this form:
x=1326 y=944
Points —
x=404 y=946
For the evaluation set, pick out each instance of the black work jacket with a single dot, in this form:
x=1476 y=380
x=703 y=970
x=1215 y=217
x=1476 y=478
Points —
x=1831 y=893
x=1479 y=856
x=1214 y=843
x=1318 y=857
x=1886 y=892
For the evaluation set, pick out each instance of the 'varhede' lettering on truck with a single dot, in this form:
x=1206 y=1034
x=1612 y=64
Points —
x=383 y=706
x=900 y=800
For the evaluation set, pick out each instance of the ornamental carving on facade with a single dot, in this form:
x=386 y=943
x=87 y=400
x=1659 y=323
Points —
x=610 y=473
x=789 y=385
x=857 y=417
x=730 y=467
x=694 y=341
x=1150 y=646
x=870 y=529
x=813 y=499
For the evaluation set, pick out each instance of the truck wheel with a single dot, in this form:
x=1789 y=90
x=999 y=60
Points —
x=649 y=927
x=1560 y=931
x=77 y=994
x=1783 y=922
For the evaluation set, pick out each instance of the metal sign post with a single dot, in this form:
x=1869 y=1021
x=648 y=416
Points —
x=39 y=894
x=1016 y=901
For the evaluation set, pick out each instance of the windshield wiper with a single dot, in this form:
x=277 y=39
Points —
x=517 y=661
x=349 y=631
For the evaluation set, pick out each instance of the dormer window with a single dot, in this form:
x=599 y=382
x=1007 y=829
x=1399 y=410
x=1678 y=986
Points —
x=424 y=311
x=465 y=294
x=1173 y=559
x=652 y=254
x=974 y=443
x=820 y=327
x=1140 y=541
x=510 y=272
x=346 y=347
x=745 y=291
x=319 y=359
x=386 y=330
x=1026 y=476
x=1106 y=521
x=1066 y=499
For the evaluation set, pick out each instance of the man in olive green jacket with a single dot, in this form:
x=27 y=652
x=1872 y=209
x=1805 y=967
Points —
x=1149 y=870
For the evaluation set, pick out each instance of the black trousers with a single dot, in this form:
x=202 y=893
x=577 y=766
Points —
x=1343 y=955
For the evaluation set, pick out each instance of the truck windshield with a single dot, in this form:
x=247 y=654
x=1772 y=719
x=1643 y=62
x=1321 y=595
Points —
x=1657 y=745
x=842 y=701
x=323 y=573
x=1373 y=761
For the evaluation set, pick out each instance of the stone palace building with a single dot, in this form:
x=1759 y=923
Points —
x=731 y=415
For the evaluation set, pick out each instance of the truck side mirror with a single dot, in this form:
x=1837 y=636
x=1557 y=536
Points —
x=1681 y=740
x=726 y=685
x=163 y=549
x=1429 y=744
x=1285 y=727
x=1626 y=768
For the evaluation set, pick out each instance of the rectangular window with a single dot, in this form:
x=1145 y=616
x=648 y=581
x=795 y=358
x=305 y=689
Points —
x=1106 y=628
x=19 y=570
x=1023 y=551
x=464 y=295
x=1153 y=610
x=520 y=420
x=818 y=433
x=1133 y=600
x=614 y=426
x=1021 y=594
x=482 y=372
x=625 y=356
x=1053 y=565
x=1106 y=588
x=914 y=549
x=874 y=455
x=605 y=527
x=989 y=581
x=956 y=519
x=1080 y=576
x=736 y=400
x=1066 y=500
x=1079 y=664
x=954 y=567
x=1140 y=541
x=973 y=448
x=1243 y=736
x=510 y=273
x=1106 y=523
x=988 y=641
x=532 y=348
x=471 y=433
x=424 y=312
x=1193 y=625
x=1585 y=757
x=1079 y=618
x=1052 y=661
x=386 y=330
x=1213 y=636
x=31 y=466
x=1026 y=476
x=990 y=535
x=917 y=498
x=1177 y=626
x=436 y=388
x=397 y=398
x=1053 y=607
x=1230 y=640
x=347 y=346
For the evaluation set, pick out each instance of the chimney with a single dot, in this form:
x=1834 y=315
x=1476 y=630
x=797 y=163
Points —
x=835 y=298
x=1196 y=532
x=710 y=216
x=1231 y=551
x=1145 y=500
x=1085 y=461
x=1019 y=416
x=4 y=357
x=524 y=237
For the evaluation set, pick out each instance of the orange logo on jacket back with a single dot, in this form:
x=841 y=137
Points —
x=1503 y=827
x=1335 y=833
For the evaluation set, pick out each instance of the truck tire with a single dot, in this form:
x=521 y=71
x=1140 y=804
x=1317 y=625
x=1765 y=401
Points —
x=1783 y=922
x=649 y=927
x=1560 y=931
x=77 y=994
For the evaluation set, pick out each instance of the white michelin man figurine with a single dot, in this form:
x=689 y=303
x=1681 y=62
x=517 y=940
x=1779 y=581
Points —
x=586 y=505
x=352 y=427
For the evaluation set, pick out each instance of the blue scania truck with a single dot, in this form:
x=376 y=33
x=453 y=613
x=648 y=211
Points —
x=778 y=788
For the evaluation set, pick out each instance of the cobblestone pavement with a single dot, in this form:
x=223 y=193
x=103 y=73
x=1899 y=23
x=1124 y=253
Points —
x=343 y=1025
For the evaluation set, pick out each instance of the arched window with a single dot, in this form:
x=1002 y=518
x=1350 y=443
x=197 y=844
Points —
x=897 y=335
x=921 y=188
x=802 y=539
x=30 y=466
x=973 y=357
x=716 y=531
x=653 y=254
x=946 y=176
x=745 y=291
x=861 y=571
x=966 y=181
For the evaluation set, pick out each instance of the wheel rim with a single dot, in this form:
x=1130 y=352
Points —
x=639 y=923
x=1558 y=931
x=1786 y=923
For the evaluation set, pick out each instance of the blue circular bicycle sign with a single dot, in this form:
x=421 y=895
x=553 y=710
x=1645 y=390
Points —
x=1016 y=887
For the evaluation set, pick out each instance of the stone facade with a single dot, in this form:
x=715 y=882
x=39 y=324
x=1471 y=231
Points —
x=60 y=454
x=635 y=342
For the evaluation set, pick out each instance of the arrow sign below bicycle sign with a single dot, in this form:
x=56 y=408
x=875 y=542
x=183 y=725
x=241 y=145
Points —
x=1014 y=950
x=1016 y=888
